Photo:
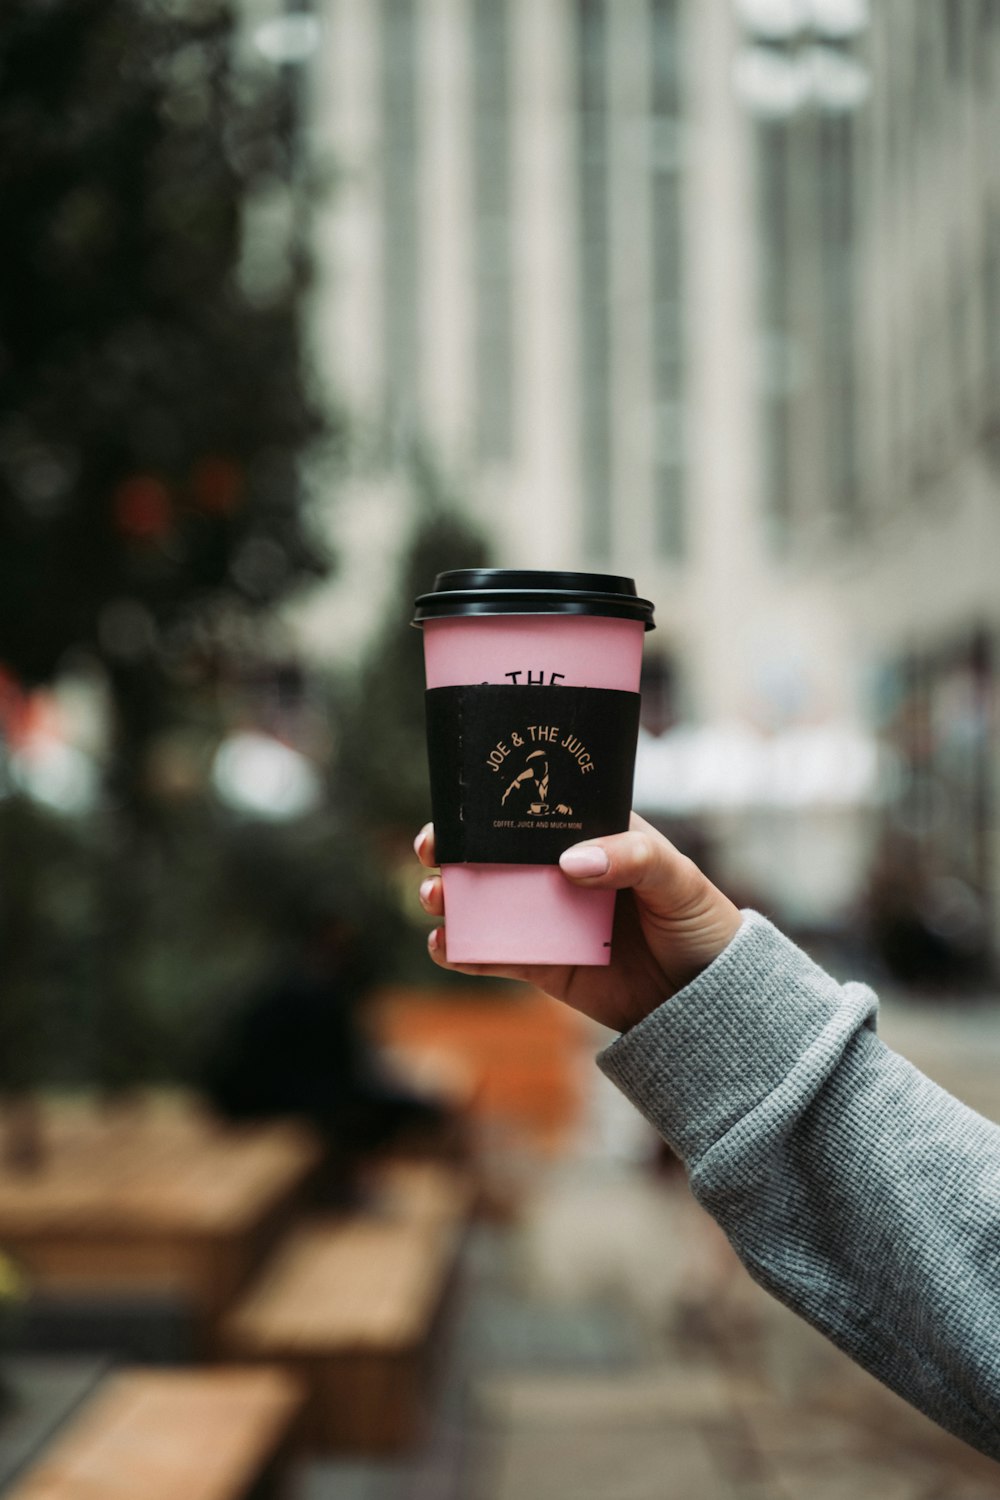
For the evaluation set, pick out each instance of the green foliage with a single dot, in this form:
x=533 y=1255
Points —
x=382 y=765
x=152 y=409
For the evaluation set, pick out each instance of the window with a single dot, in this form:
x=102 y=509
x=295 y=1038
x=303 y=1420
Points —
x=667 y=270
x=838 y=294
x=775 y=252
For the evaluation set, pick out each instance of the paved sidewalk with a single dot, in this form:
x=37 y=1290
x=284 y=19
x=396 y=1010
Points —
x=610 y=1347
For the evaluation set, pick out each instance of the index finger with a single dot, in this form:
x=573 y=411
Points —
x=423 y=846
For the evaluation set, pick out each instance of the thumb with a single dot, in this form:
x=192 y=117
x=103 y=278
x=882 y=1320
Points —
x=665 y=880
x=685 y=919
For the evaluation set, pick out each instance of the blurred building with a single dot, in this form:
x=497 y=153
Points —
x=878 y=196
x=539 y=266
x=700 y=291
x=879 y=305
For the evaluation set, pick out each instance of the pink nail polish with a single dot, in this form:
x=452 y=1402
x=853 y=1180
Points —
x=584 y=859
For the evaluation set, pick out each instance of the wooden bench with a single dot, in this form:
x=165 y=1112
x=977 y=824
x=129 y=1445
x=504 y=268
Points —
x=163 y=1201
x=172 y=1435
x=354 y=1305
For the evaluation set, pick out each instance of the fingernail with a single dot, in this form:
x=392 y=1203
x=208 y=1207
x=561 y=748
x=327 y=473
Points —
x=434 y=940
x=584 y=859
x=425 y=891
x=418 y=842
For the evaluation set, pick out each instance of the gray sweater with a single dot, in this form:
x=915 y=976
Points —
x=855 y=1190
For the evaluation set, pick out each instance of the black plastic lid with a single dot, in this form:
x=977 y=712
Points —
x=530 y=591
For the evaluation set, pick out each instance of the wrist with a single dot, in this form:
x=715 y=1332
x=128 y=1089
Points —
x=717 y=925
x=683 y=950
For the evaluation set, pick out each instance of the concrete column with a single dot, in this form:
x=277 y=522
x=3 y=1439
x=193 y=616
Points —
x=724 y=525
x=539 y=514
x=347 y=304
x=631 y=231
x=445 y=306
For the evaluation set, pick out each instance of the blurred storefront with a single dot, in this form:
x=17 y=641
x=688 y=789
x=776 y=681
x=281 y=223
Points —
x=933 y=878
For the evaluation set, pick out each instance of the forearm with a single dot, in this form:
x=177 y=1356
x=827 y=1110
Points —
x=854 y=1189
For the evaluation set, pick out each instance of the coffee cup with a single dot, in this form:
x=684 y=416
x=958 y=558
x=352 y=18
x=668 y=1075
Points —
x=532 y=719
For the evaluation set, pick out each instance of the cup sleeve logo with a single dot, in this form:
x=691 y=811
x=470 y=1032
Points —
x=536 y=778
x=519 y=773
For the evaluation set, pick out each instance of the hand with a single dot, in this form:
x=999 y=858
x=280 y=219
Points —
x=670 y=922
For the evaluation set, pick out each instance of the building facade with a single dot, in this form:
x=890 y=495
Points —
x=700 y=291
x=539 y=266
x=878 y=185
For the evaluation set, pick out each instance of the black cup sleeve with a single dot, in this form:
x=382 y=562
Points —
x=518 y=773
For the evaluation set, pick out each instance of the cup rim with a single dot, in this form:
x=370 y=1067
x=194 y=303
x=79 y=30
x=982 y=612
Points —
x=465 y=592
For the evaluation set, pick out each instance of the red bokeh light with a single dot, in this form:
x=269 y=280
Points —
x=143 y=511
x=217 y=485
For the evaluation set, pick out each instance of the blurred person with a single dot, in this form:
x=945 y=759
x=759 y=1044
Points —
x=854 y=1189
x=926 y=926
x=295 y=1045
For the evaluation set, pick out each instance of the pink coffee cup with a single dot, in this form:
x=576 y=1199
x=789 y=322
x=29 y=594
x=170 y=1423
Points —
x=549 y=632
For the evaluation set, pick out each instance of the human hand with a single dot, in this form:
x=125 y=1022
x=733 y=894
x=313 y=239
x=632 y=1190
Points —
x=670 y=923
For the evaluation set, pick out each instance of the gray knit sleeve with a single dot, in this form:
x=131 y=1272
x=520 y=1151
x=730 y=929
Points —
x=855 y=1190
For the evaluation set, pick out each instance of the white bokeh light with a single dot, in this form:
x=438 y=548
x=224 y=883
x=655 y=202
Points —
x=773 y=20
x=288 y=39
x=732 y=767
x=772 y=84
x=257 y=775
x=57 y=775
x=839 y=19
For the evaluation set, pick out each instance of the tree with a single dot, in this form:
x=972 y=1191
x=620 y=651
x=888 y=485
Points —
x=382 y=766
x=153 y=399
x=152 y=411
x=380 y=770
